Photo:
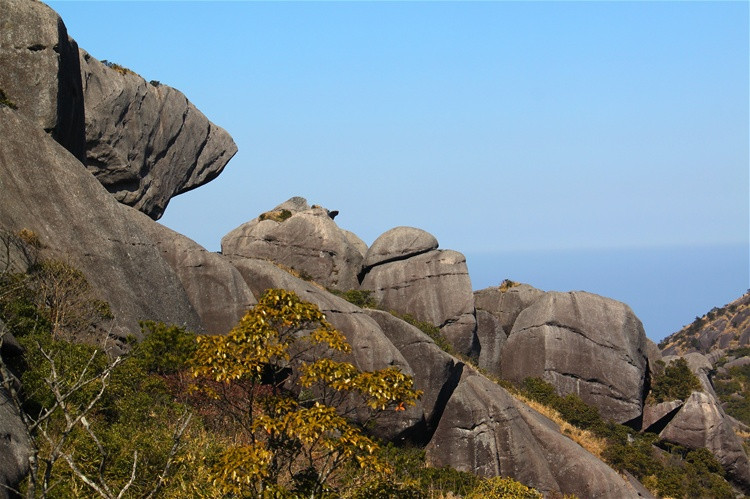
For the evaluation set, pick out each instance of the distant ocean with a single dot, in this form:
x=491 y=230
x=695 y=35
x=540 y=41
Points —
x=666 y=287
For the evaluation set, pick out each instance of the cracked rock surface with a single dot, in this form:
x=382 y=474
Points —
x=147 y=143
x=486 y=431
x=308 y=241
x=46 y=190
x=585 y=344
x=433 y=287
x=40 y=72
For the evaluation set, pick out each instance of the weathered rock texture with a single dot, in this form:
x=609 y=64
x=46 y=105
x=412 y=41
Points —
x=701 y=423
x=399 y=243
x=585 y=344
x=214 y=286
x=45 y=189
x=302 y=238
x=431 y=285
x=40 y=71
x=486 y=431
x=435 y=372
x=147 y=143
x=506 y=302
x=491 y=337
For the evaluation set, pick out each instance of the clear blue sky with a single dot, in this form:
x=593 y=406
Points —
x=503 y=128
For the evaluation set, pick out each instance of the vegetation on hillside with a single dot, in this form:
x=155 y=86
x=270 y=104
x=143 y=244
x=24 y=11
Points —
x=731 y=320
x=674 y=381
x=732 y=386
x=255 y=412
x=666 y=469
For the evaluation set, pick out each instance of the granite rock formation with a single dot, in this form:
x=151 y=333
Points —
x=146 y=142
x=430 y=284
x=40 y=73
x=585 y=344
x=302 y=238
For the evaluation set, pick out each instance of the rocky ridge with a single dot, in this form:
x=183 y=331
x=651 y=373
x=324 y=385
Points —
x=89 y=206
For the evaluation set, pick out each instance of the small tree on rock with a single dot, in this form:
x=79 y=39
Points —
x=282 y=376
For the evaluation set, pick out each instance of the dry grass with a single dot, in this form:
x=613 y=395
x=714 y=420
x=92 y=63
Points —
x=584 y=438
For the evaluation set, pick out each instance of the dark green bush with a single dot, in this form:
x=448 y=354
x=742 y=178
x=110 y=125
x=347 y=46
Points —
x=675 y=382
x=359 y=297
x=165 y=349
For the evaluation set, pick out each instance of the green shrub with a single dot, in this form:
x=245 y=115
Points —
x=359 y=297
x=429 y=329
x=276 y=216
x=675 y=382
x=165 y=349
x=503 y=488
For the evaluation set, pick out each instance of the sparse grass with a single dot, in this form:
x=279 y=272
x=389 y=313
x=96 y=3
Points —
x=359 y=297
x=508 y=284
x=276 y=215
x=120 y=69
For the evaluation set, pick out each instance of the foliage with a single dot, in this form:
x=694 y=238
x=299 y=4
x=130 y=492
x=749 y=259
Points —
x=508 y=284
x=276 y=215
x=733 y=388
x=285 y=359
x=503 y=488
x=165 y=349
x=676 y=472
x=427 y=328
x=120 y=69
x=359 y=297
x=4 y=101
x=673 y=382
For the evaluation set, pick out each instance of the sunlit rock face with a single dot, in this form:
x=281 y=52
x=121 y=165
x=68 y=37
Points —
x=407 y=274
x=40 y=73
x=585 y=344
x=146 y=143
x=302 y=238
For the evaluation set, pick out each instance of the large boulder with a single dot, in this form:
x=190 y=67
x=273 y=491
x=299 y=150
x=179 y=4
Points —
x=399 y=243
x=214 y=286
x=506 y=301
x=585 y=344
x=433 y=286
x=40 y=73
x=47 y=190
x=302 y=238
x=484 y=430
x=371 y=349
x=146 y=142
x=701 y=422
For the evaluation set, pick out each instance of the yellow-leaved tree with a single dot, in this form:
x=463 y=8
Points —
x=281 y=377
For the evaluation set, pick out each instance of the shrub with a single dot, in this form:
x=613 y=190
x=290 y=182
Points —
x=276 y=216
x=359 y=297
x=675 y=382
x=503 y=488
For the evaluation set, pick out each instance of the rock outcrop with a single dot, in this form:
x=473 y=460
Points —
x=506 y=301
x=302 y=238
x=486 y=431
x=585 y=344
x=40 y=73
x=146 y=142
x=701 y=422
x=430 y=284
x=491 y=338
x=214 y=287
x=47 y=190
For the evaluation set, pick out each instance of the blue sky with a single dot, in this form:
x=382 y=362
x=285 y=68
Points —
x=503 y=128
